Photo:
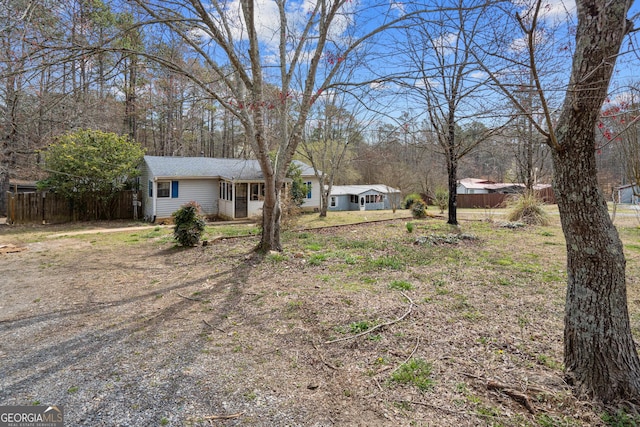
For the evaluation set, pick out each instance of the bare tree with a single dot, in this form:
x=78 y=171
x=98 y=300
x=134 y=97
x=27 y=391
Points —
x=248 y=45
x=329 y=140
x=445 y=80
x=599 y=352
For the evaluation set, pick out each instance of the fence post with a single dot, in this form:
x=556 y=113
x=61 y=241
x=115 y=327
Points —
x=11 y=208
x=44 y=207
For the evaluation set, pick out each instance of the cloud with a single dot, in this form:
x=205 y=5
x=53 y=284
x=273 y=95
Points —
x=445 y=43
x=267 y=22
x=479 y=75
x=553 y=11
x=558 y=10
x=397 y=6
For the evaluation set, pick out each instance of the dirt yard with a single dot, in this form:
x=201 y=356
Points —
x=126 y=329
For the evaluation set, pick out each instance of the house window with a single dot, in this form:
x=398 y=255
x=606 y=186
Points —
x=333 y=201
x=257 y=191
x=226 y=190
x=354 y=199
x=308 y=189
x=164 y=189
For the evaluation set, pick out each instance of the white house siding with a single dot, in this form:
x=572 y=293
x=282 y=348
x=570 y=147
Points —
x=314 y=201
x=203 y=191
x=462 y=189
x=254 y=208
x=147 y=201
x=225 y=209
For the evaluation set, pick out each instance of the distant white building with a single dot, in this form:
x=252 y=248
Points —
x=484 y=186
x=363 y=197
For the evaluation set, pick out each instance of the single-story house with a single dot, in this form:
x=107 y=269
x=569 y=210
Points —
x=484 y=186
x=628 y=193
x=363 y=197
x=224 y=188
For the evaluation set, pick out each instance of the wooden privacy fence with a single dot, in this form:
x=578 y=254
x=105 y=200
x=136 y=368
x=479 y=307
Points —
x=41 y=207
x=497 y=200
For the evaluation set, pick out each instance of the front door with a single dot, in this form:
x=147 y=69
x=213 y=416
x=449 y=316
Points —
x=241 y=200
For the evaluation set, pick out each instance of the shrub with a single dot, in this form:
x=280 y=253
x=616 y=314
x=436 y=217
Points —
x=410 y=227
x=290 y=213
x=527 y=208
x=441 y=199
x=189 y=225
x=419 y=209
x=409 y=199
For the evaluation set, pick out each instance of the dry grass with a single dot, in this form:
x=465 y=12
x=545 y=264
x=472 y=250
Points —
x=527 y=208
x=274 y=338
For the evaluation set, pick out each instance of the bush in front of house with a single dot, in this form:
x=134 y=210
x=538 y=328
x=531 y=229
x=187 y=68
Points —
x=410 y=199
x=189 y=224
x=419 y=209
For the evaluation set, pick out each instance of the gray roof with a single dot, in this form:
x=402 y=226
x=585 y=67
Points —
x=305 y=168
x=341 y=190
x=207 y=167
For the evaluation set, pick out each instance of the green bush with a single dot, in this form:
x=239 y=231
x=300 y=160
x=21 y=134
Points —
x=409 y=199
x=419 y=209
x=189 y=225
x=410 y=227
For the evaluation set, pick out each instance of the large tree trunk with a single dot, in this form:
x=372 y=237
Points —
x=600 y=355
x=324 y=203
x=271 y=214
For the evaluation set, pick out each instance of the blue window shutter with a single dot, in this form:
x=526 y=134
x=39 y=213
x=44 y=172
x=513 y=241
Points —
x=150 y=188
x=174 y=189
x=308 y=189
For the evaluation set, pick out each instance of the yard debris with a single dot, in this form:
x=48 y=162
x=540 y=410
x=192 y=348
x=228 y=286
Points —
x=381 y=325
x=223 y=417
x=10 y=249
x=511 y=225
x=444 y=239
x=516 y=395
